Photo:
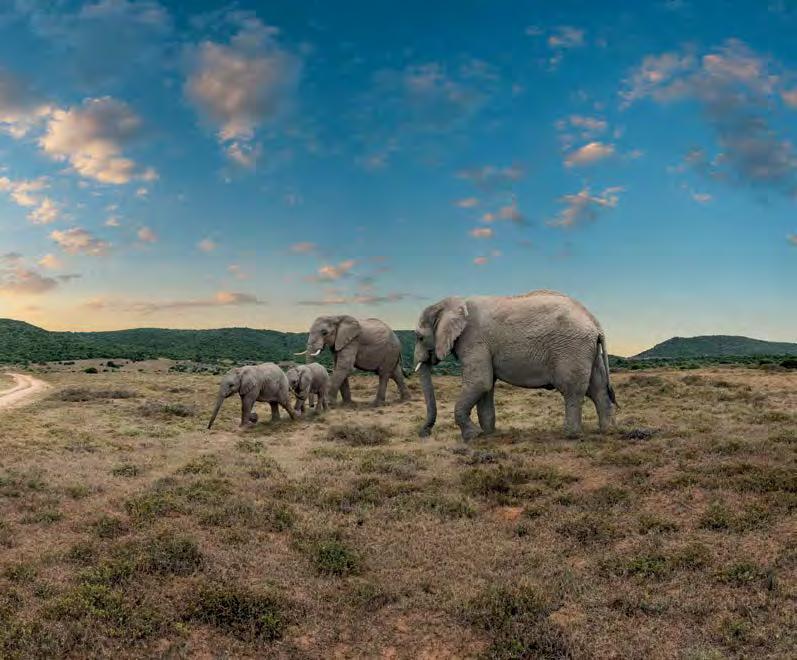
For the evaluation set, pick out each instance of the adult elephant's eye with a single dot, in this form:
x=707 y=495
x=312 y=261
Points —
x=324 y=332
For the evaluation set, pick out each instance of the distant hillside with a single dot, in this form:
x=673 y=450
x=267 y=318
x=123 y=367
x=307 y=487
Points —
x=22 y=342
x=716 y=346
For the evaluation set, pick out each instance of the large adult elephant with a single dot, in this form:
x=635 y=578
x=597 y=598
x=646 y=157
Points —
x=542 y=339
x=366 y=344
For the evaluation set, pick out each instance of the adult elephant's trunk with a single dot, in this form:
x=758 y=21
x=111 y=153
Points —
x=425 y=372
x=216 y=409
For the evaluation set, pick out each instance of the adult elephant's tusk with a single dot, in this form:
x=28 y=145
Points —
x=316 y=353
x=302 y=352
x=418 y=366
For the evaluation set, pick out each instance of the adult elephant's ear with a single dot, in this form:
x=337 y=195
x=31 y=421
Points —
x=348 y=330
x=451 y=321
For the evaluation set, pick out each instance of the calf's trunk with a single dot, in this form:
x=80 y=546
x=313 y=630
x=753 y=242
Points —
x=425 y=374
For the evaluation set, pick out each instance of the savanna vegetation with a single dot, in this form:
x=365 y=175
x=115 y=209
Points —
x=126 y=529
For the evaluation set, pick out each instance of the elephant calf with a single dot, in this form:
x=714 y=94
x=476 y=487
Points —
x=541 y=339
x=307 y=381
x=366 y=344
x=259 y=382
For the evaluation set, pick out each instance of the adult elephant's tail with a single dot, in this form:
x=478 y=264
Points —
x=609 y=388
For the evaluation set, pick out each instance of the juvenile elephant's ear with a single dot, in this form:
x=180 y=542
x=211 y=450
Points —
x=348 y=330
x=451 y=321
x=303 y=376
x=248 y=381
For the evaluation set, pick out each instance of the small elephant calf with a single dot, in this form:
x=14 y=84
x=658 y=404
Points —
x=258 y=382
x=307 y=380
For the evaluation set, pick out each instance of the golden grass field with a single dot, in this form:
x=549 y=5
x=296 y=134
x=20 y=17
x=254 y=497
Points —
x=127 y=529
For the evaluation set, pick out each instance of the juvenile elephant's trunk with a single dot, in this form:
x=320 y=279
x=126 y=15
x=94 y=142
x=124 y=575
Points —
x=425 y=372
x=216 y=409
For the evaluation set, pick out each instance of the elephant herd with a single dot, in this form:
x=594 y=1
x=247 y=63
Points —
x=541 y=339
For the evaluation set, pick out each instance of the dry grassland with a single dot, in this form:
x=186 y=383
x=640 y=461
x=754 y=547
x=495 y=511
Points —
x=127 y=529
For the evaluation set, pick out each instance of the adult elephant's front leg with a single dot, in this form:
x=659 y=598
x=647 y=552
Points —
x=345 y=392
x=340 y=375
x=477 y=380
x=485 y=409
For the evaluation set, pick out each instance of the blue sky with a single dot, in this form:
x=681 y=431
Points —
x=212 y=164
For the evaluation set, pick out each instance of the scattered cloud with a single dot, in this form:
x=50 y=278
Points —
x=17 y=278
x=467 y=202
x=80 y=241
x=701 y=198
x=207 y=245
x=51 y=262
x=237 y=272
x=737 y=90
x=789 y=97
x=106 y=39
x=113 y=221
x=304 y=247
x=480 y=261
x=558 y=40
x=792 y=238
x=336 y=299
x=146 y=235
x=490 y=178
x=220 y=299
x=589 y=154
x=335 y=272
x=92 y=137
x=481 y=232
x=20 y=107
x=583 y=207
x=45 y=213
x=237 y=87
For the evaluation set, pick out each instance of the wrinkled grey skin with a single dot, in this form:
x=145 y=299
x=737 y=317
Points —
x=259 y=382
x=542 y=339
x=308 y=381
x=366 y=344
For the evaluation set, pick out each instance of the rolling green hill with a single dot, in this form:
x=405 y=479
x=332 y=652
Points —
x=716 y=346
x=22 y=343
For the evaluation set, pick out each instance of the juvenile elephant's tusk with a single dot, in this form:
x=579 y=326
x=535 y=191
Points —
x=302 y=352
x=316 y=353
x=418 y=366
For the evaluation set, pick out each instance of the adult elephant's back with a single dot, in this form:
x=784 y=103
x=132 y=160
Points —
x=379 y=347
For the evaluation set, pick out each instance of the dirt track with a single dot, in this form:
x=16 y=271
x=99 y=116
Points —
x=26 y=387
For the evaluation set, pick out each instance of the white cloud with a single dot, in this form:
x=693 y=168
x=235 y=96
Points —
x=467 y=202
x=335 y=272
x=565 y=37
x=51 y=262
x=146 y=235
x=19 y=279
x=241 y=85
x=583 y=206
x=113 y=221
x=481 y=232
x=92 y=138
x=789 y=97
x=27 y=193
x=20 y=107
x=701 y=198
x=304 y=247
x=46 y=213
x=480 y=261
x=220 y=299
x=237 y=272
x=589 y=154
x=207 y=245
x=80 y=241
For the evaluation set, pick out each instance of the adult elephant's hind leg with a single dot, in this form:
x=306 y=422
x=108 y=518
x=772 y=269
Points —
x=599 y=393
x=398 y=377
x=381 y=389
x=485 y=409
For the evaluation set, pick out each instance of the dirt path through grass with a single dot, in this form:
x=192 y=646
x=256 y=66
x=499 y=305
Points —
x=25 y=387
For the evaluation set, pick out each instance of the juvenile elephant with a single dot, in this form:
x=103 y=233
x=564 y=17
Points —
x=259 y=382
x=307 y=381
x=541 y=339
x=366 y=344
